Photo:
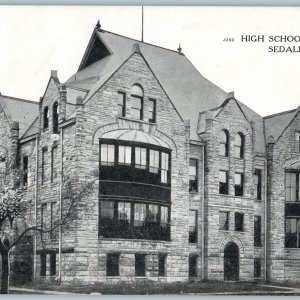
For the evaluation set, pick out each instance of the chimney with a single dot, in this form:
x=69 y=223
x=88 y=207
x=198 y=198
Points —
x=54 y=73
x=63 y=103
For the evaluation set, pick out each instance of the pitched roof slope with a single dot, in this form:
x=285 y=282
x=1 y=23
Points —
x=187 y=88
x=19 y=110
x=276 y=124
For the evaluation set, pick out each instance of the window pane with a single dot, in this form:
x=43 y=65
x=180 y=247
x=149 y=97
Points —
x=140 y=157
x=140 y=265
x=154 y=161
x=239 y=184
x=107 y=154
x=121 y=104
x=239 y=222
x=257 y=231
x=161 y=265
x=112 y=264
x=224 y=220
x=257 y=267
x=152 y=110
x=153 y=213
x=125 y=155
x=107 y=210
x=291 y=233
x=238 y=179
x=223 y=176
x=192 y=226
x=193 y=266
x=164 y=167
x=124 y=211
x=139 y=214
x=163 y=215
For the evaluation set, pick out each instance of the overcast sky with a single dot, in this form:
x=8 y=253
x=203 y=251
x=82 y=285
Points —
x=36 y=39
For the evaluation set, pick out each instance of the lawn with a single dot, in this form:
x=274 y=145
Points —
x=179 y=288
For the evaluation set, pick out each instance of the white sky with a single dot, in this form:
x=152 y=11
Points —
x=36 y=39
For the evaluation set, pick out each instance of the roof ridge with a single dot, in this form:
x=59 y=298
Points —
x=20 y=99
x=142 y=42
x=280 y=113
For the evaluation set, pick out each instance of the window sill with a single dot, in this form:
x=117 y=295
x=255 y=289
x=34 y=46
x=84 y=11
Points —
x=224 y=230
x=113 y=277
x=194 y=193
x=258 y=246
x=136 y=120
x=140 y=277
x=134 y=240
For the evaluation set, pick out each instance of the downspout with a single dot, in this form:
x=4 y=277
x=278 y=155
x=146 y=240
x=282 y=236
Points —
x=35 y=205
x=60 y=206
x=202 y=216
x=265 y=223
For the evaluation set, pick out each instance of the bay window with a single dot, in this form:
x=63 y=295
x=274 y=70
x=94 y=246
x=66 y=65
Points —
x=125 y=155
x=164 y=167
x=107 y=155
x=140 y=158
x=131 y=220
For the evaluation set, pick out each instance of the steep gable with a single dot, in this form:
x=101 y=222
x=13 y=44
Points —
x=20 y=110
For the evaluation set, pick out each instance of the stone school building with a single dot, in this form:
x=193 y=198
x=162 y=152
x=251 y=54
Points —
x=191 y=183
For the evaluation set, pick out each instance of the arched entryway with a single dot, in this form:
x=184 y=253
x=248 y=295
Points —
x=231 y=262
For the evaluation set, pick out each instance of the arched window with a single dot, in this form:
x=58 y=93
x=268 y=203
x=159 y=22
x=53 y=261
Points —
x=46 y=118
x=55 y=117
x=224 y=143
x=137 y=95
x=239 y=145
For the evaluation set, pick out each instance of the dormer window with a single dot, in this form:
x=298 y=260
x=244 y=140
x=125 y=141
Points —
x=224 y=143
x=46 y=117
x=239 y=145
x=55 y=117
x=137 y=95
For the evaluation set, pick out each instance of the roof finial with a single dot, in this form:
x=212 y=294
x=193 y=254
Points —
x=98 y=25
x=179 y=49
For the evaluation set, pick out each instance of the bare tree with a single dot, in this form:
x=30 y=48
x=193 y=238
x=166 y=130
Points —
x=14 y=207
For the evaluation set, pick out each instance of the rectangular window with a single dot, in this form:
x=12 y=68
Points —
x=257 y=267
x=257 y=231
x=238 y=221
x=43 y=214
x=52 y=264
x=152 y=110
x=152 y=214
x=52 y=218
x=140 y=265
x=112 y=264
x=164 y=216
x=54 y=163
x=164 y=167
x=193 y=175
x=124 y=155
x=224 y=220
x=192 y=226
x=193 y=259
x=107 y=228
x=25 y=171
x=136 y=107
x=291 y=187
x=139 y=215
x=44 y=165
x=161 y=265
x=257 y=184
x=107 y=155
x=124 y=211
x=154 y=161
x=292 y=233
x=43 y=262
x=121 y=104
x=140 y=158
x=223 y=182
x=239 y=184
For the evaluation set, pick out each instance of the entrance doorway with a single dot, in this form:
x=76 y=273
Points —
x=231 y=262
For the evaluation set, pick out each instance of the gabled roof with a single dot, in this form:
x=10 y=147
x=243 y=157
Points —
x=188 y=89
x=277 y=123
x=19 y=110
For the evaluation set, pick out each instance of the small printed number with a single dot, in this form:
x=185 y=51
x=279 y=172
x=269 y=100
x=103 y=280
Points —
x=228 y=40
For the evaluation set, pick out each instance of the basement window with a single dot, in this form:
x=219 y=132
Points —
x=193 y=261
x=140 y=265
x=43 y=264
x=161 y=265
x=257 y=267
x=112 y=264
x=52 y=264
